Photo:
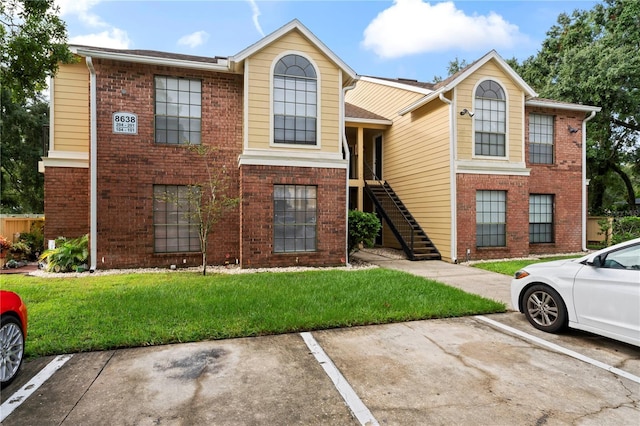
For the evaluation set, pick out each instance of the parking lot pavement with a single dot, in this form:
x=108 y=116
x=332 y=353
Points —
x=440 y=372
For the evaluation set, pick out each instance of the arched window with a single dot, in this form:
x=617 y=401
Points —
x=490 y=119
x=294 y=101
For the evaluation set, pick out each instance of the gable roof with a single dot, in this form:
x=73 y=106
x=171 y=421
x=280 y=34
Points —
x=452 y=81
x=401 y=83
x=282 y=31
x=550 y=103
x=153 y=57
x=354 y=113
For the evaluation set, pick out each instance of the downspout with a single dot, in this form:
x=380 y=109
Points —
x=347 y=153
x=584 y=180
x=93 y=168
x=452 y=177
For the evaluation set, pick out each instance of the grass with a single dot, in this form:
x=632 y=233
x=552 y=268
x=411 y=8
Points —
x=510 y=267
x=69 y=315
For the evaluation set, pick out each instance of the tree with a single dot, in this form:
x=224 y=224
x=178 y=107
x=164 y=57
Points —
x=453 y=67
x=32 y=42
x=591 y=57
x=21 y=147
x=208 y=201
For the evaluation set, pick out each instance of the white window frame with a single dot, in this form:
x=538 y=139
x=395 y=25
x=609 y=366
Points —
x=272 y=142
x=478 y=116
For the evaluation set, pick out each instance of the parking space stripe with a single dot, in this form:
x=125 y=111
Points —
x=31 y=386
x=562 y=350
x=350 y=397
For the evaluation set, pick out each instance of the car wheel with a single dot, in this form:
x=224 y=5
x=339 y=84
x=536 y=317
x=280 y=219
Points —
x=11 y=348
x=545 y=309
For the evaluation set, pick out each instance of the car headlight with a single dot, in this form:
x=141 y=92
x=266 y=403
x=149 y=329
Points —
x=521 y=274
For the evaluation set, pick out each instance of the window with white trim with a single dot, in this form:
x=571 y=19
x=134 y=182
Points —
x=540 y=218
x=540 y=139
x=491 y=218
x=178 y=115
x=490 y=120
x=294 y=218
x=175 y=223
x=294 y=101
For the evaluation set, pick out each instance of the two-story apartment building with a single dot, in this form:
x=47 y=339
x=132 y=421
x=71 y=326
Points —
x=476 y=163
x=474 y=167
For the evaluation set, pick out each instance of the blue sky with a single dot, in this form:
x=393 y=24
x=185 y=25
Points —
x=402 y=38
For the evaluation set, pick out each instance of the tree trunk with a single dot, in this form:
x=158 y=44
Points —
x=631 y=195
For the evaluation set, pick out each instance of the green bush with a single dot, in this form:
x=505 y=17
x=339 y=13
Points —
x=363 y=228
x=68 y=254
x=20 y=250
x=34 y=239
x=625 y=229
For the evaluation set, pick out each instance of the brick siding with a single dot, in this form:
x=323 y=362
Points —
x=129 y=165
x=563 y=179
x=66 y=202
x=257 y=215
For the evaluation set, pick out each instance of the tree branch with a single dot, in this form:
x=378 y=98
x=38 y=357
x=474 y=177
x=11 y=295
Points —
x=624 y=124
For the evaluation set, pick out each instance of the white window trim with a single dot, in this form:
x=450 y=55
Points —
x=506 y=122
x=318 y=144
x=553 y=137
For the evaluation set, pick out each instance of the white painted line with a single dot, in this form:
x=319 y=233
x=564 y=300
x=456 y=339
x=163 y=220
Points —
x=31 y=386
x=350 y=397
x=562 y=350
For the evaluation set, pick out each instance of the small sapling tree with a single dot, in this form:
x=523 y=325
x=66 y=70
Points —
x=205 y=201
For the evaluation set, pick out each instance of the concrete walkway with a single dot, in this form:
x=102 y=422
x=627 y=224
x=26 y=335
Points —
x=472 y=280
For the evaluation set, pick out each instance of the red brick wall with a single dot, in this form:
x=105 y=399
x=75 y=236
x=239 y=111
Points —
x=257 y=215
x=563 y=179
x=517 y=196
x=66 y=202
x=129 y=165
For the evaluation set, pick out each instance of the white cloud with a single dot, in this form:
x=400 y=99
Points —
x=110 y=36
x=81 y=9
x=256 y=14
x=113 y=38
x=194 y=40
x=413 y=26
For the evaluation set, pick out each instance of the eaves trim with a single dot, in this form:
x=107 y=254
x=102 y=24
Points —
x=396 y=84
x=152 y=60
x=294 y=24
x=562 y=105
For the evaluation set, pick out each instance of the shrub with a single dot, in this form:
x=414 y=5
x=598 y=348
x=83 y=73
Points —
x=20 y=250
x=5 y=244
x=363 y=228
x=68 y=254
x=34 y=239
x=625 y=229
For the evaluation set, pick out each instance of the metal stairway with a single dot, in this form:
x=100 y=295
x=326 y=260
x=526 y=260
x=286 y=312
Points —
x=414 y=241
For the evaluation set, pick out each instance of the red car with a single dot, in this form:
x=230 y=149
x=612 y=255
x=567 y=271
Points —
x=13 y=332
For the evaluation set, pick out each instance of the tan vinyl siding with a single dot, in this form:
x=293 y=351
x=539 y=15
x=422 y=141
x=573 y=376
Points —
x=416 y=157
x=71 y=108
x=380 y=99
x=259 y=93
x=465 y=98
x=417 y=164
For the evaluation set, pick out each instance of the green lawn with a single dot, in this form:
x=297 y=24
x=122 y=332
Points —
x=113 y=311
x=510 y=267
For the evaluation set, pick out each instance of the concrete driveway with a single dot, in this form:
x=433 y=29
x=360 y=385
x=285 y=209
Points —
x=463 y=371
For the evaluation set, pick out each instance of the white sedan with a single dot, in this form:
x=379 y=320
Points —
x=598 y=293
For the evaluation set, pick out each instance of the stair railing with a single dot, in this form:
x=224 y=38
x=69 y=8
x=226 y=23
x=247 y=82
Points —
x=396 y=218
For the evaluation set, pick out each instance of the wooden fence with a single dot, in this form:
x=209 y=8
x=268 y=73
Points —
x=11 y=226
x=594 y=233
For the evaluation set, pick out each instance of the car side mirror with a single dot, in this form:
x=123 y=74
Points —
x=596 y=262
